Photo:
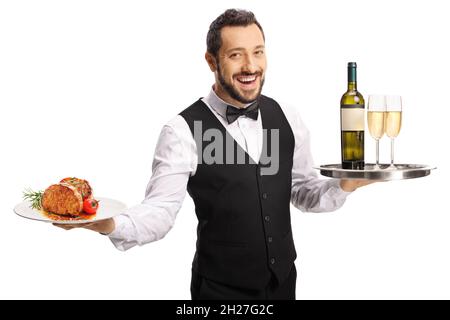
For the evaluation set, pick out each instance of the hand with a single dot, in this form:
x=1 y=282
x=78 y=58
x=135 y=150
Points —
x=352 y=185
x=104 y=226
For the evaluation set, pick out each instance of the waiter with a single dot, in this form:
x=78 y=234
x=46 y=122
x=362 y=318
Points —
x=243 y=158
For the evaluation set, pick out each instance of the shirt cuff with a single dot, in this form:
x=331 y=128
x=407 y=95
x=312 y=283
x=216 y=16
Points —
x=119 y=222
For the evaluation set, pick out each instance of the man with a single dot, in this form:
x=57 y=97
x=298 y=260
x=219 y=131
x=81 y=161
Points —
x=245 y=247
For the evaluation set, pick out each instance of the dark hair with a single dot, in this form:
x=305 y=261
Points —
x=231 y=17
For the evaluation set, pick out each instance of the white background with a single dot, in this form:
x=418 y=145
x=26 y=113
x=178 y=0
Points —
x=85 y=87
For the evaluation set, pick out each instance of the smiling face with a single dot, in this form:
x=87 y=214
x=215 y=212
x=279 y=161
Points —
x=240 y=64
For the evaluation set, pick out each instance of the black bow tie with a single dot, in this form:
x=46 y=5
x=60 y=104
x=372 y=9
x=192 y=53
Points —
x=251 y=111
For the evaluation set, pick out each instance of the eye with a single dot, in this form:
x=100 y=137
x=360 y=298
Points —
x=259 y=52
x=235 y=55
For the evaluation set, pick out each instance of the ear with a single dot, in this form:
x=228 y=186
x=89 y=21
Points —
x=211 y=61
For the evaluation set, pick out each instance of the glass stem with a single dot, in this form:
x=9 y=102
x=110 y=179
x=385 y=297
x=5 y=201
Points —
x=378 y=152
x=392 y=152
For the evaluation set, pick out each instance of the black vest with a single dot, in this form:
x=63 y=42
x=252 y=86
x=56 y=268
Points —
x=244 y=231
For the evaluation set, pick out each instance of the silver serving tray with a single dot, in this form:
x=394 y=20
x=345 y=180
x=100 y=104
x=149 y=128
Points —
x=401 y=171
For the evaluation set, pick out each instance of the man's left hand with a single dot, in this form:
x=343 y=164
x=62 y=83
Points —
x=103 y=226
x=351 y=185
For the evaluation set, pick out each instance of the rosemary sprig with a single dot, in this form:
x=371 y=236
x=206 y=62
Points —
x=35 y=197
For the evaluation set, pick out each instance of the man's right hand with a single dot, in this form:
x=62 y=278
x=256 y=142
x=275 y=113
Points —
x=104 y=226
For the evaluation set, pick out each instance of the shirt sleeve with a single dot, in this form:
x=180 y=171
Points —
x=174 y=161
x=309 y=192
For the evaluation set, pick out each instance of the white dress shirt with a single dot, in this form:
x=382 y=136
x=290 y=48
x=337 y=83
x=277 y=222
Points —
x=175 y=160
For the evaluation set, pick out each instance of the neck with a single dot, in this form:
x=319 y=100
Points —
x=222 y=94
x=352 y=86
x=351 y=77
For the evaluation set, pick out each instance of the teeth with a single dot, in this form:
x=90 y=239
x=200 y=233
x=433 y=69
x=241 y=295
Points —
x=247 y=79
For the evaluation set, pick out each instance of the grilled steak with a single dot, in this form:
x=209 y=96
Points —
x=63 y=199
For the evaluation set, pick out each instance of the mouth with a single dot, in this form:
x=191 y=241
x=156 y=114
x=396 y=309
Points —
x=247 y=82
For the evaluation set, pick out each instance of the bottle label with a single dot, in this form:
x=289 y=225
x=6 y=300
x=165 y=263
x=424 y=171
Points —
x=352 y=118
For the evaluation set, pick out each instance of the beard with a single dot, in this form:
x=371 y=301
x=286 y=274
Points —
x=233 y=92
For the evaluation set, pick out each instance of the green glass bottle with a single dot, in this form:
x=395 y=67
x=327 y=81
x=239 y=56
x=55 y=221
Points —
x=352 y=124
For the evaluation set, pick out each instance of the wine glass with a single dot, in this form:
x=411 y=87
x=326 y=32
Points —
x=376 y=110
x=393 y=121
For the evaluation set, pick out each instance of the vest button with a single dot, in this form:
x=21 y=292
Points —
x=267 y=218
x=272 y=261
x=264 y=195
x=270 y=239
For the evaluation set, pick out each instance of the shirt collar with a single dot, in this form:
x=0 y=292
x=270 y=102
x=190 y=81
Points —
x=218 y=104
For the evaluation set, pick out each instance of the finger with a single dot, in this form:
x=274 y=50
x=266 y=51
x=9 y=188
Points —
x=69 y=226
x=85 y=225
x=92 y=227
x=368 y=182
x=374 y=181
x=63 y=226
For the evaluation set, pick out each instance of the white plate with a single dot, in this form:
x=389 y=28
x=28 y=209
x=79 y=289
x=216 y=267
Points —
x=107 y=208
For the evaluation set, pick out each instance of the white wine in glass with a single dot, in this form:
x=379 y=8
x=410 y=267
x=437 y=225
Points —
x=376 y=112
x=393 y=121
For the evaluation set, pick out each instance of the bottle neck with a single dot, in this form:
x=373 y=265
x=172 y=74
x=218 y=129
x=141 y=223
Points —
x=351 y=86
x=352 y=79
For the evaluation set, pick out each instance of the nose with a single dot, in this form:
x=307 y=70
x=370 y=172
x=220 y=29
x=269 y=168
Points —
x=249 y=64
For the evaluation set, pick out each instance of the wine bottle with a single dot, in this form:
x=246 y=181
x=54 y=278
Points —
x=352 y=124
